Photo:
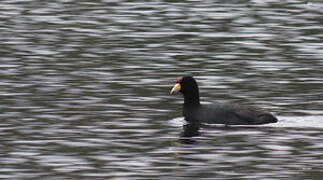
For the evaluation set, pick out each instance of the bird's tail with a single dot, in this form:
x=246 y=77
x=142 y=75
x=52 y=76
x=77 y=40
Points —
x=267 y=118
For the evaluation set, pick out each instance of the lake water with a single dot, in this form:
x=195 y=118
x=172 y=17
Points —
x=85 y=88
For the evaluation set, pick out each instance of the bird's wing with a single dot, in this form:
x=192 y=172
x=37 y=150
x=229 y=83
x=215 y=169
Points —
x=247 y=114
x=252 y=115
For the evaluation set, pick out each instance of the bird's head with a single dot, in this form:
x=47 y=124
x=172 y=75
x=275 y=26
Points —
x=184 y=84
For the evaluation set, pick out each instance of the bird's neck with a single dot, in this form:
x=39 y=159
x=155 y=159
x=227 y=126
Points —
x=192 y=99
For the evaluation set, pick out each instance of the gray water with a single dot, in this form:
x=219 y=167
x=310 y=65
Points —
x=85 y=88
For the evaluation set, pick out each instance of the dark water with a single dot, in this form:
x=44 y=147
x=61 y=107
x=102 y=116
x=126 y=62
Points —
x=85 y=88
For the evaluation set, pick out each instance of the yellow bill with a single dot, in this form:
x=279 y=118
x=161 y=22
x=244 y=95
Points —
x=177 y=87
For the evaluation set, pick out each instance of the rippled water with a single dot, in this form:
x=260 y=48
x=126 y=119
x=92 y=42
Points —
x=85 y=88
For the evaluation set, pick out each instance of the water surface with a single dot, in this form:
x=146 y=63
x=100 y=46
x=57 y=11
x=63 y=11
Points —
x=85 y=88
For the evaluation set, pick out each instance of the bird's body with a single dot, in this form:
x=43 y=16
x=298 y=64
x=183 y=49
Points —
x=229 y=114
x=218 y=113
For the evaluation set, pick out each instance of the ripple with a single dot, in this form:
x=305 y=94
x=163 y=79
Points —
x=300 y=121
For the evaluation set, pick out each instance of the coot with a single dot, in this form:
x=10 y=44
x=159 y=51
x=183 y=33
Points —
x=218 y=113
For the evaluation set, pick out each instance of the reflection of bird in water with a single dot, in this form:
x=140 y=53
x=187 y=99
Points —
x=190 y=130
x=218 y=113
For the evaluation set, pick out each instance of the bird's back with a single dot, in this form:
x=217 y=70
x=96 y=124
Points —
x=229 y=114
